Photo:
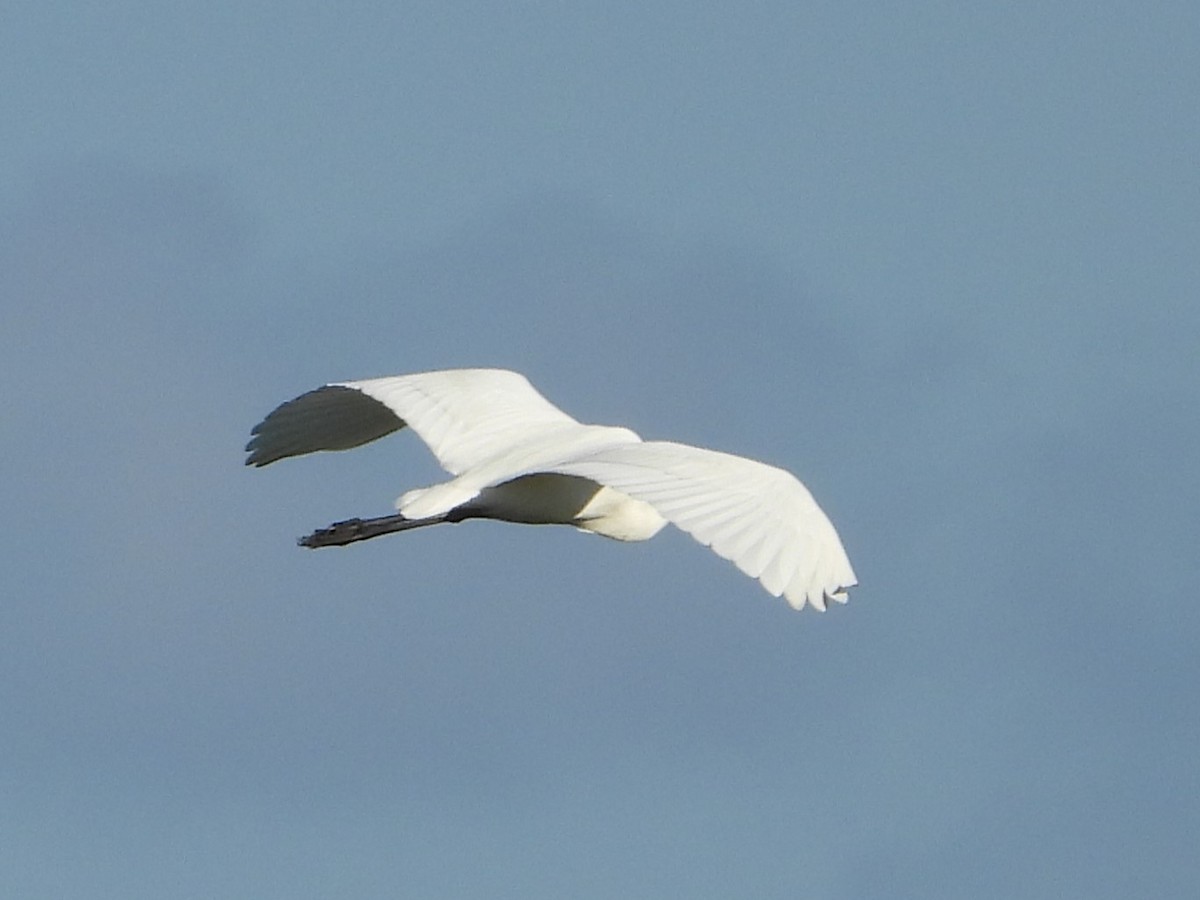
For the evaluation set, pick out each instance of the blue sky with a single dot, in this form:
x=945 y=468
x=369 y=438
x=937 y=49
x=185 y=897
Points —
x=940 y=261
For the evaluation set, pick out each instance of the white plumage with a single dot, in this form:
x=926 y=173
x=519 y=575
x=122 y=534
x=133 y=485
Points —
x=518 y=458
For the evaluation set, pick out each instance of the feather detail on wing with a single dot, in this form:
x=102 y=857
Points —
x=757 y=516
x=464 y=415
x=330 y=418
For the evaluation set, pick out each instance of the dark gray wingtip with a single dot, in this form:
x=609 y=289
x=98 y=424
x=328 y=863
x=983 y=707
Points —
x=332 y=417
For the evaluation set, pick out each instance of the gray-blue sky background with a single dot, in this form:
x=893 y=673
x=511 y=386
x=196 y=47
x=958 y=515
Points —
x=940 y=261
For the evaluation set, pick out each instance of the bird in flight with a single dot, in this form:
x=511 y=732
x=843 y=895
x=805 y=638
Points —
x=516 y=457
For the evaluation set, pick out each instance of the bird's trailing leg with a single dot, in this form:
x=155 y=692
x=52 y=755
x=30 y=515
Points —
x=341 y=533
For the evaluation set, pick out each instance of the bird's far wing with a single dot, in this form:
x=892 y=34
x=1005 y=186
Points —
x=757 y=516
x=465 y=416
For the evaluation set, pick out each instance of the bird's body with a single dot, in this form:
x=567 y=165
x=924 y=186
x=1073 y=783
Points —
x=517 y=458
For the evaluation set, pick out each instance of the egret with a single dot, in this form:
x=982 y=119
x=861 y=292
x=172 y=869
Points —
x=516 y=457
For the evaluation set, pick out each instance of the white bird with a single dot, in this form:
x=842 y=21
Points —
x=518 y=458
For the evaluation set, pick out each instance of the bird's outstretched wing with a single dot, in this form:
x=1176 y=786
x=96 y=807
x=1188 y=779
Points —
x=463 y=415
x=757 y=516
